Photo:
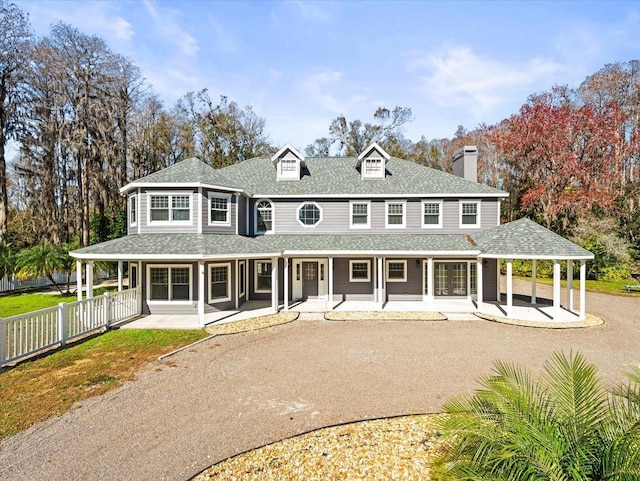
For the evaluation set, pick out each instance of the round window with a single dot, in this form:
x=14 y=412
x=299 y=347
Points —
x=309 y=214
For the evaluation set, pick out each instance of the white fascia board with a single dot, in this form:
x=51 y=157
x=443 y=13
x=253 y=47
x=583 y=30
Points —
x=379 y=196
x=175 y=185
x=170 y=257
x=375 y=146
x=361 y=253
x=535 y=257
x=288 y=147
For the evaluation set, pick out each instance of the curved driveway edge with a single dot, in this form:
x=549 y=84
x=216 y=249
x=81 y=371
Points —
x=236 y=392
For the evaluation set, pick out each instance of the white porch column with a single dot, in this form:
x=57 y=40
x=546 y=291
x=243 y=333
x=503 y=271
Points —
x=201 y=292
x=330 y=273
x=432 y=277
x=89 y=279
x=119 y=276
x=479 y=284
x=556 y=289
x=534 y=280
x=286 y=283
x=79 y=279
x=583 y=289
x=380 y=281
x=274 y=284
x=509 y=287
x=238 y=283
x=570 y=285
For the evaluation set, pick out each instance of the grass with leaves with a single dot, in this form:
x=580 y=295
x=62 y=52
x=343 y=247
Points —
x=46 y=387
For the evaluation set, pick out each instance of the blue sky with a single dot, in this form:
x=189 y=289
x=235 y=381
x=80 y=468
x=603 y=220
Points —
x=301 y=64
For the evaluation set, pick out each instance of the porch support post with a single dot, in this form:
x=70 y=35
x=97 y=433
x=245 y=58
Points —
x=201 y=292
x=79 y=279
x=274 y=284
x=534 y=280
x=247 y=277
x=509 y=287
x=431 y=280
x=570 y=284
x=238 y=282
x=119 y=276
x=556 y=289
x=479 y=292
x=583 y=289
x=89 y=279
x=330 y=277
x=380 y=281
x=374 y=278
x=286 y=283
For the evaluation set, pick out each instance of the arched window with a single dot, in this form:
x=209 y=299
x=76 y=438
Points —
x=264 y=216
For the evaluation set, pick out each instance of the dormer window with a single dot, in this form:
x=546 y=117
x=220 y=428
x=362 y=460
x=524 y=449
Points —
x=288 y=162
x=372 y=162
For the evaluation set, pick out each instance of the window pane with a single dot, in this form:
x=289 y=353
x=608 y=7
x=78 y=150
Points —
x=359 y=213
x=159 y=283
x=219 y=282
x=395 y=214
x=159 y=208
x=396 y=270
x=180 y=292
x=360 y=270
x=264 y=216
x=309 y=214
x=431 y=214
x=263 y=272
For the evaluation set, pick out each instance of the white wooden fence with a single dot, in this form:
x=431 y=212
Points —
x=12 y=283
x=27 y=334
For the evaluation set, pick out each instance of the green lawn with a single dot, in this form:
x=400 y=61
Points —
x=606 y=287
x=46 y=387
x=19 y=303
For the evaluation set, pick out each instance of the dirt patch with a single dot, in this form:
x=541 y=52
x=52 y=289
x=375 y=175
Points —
x=252 y=324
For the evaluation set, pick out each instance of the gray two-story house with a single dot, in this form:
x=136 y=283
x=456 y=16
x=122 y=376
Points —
x=291 y=228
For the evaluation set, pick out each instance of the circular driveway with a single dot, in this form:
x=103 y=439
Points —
x=233 y=393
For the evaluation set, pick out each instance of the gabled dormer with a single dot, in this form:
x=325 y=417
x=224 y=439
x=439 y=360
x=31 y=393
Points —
x=289 y=163
x=372 y=162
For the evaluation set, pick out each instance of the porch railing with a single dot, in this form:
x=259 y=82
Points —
x=33 y=332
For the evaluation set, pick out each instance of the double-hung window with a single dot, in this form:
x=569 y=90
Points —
x=396 y=271
x=219 y=282
x=263 y=276
x=359 y=271
x=219 y=209
x=469 y=214
x=395 y=214
x=431 y=214
x=169 y=283
x=133 y=210
x=264 y=217
x=360 y=215
x=169 y=208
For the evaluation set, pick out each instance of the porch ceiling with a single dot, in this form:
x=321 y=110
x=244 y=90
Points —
x=525 y=239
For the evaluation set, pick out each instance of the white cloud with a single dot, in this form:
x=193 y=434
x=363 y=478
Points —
x=457 y=76
x=167 y=24
x=311 y=12
x=318 y=87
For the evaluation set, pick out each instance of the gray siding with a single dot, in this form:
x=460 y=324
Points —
x=490 y=280
x=218 y=229
x=241 y=210
x=336 y=217
x=344 y=289
x=146 y=228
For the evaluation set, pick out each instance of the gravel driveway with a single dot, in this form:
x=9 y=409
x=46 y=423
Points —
x=236 y=392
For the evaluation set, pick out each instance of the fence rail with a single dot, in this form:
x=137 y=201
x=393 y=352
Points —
x=12 y=283
x=32 y=332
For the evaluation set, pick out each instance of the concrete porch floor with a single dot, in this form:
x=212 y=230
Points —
x=522 y=310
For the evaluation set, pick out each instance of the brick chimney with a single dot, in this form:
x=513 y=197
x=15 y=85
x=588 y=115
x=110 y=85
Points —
x=465 y=163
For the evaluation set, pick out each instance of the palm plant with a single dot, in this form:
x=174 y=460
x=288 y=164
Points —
x=42 y=260
x=563 y=425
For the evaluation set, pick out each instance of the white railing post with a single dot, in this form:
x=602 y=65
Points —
x=3 y=341
x=62 y=323
x=105 y=309
x=139 y=299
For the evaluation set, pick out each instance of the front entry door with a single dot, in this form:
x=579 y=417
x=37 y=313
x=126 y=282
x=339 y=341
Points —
x=309 y=280
x=450 y=279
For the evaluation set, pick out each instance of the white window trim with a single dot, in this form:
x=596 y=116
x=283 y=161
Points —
x=380 y=174
x=360 y=226
x=404 y=214
x=219 y=195
x=133 y=198
x=440 y=216
x=356 y=261
x=170 y=266
x=220 y=299
x=288 y=174
x=241 y=285
x=255 y=277
x=306 y=226
x=255 y=217
x=478 y=222
x=386 y=270
x=170 y=196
